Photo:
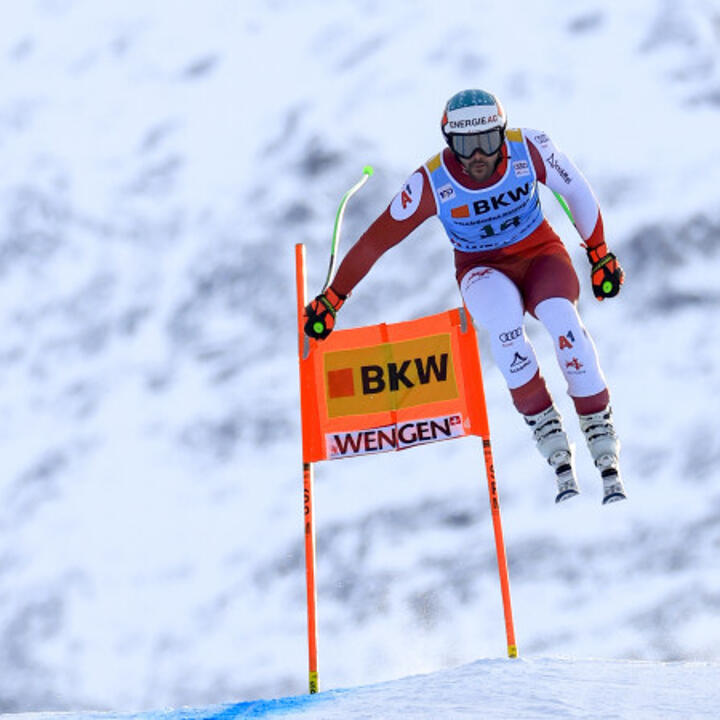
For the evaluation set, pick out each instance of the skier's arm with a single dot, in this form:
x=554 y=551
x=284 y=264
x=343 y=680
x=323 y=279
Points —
x=414 y=204
x=555 y=170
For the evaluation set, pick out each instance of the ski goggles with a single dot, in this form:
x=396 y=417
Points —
x=488 y=143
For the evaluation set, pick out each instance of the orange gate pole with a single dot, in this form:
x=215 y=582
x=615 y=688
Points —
x=313 y=684
x=500 y=549
x=308 y=499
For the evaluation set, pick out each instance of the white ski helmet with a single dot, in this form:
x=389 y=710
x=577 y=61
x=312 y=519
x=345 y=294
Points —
x=474 y=120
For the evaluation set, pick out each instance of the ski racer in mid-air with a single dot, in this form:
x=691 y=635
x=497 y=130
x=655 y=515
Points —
x=509 y=261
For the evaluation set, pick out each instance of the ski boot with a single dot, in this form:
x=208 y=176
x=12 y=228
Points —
x=552 y=442
x=604 y=447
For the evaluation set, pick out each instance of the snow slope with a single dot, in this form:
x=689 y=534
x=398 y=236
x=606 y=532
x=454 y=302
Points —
x=159 y=162
x=538 y=689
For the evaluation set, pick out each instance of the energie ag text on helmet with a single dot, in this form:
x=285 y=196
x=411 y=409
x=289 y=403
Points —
x=472 y=122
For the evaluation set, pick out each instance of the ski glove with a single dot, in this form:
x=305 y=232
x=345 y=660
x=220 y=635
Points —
x=606 y=275
x=321 y=312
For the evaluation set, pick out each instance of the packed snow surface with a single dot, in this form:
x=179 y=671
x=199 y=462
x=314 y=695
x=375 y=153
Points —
x=538 y=689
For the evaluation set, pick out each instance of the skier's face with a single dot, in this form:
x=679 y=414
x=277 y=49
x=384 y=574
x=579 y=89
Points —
x=478 y=166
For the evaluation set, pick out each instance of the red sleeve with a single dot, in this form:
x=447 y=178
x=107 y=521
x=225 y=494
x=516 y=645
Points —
x=384 y=233
x=537 y=162
x=598 y=235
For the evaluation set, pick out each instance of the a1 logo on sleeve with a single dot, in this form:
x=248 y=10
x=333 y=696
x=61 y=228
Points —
x=407 y=201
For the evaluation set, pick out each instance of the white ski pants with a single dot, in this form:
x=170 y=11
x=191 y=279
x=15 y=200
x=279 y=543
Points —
x=495 y=304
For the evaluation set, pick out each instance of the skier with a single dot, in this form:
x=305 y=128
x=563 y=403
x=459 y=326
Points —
x=508 y=260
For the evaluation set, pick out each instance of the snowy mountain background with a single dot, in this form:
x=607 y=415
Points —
x=159 y=162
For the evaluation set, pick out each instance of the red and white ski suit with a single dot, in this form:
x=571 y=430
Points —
x=508 y=259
